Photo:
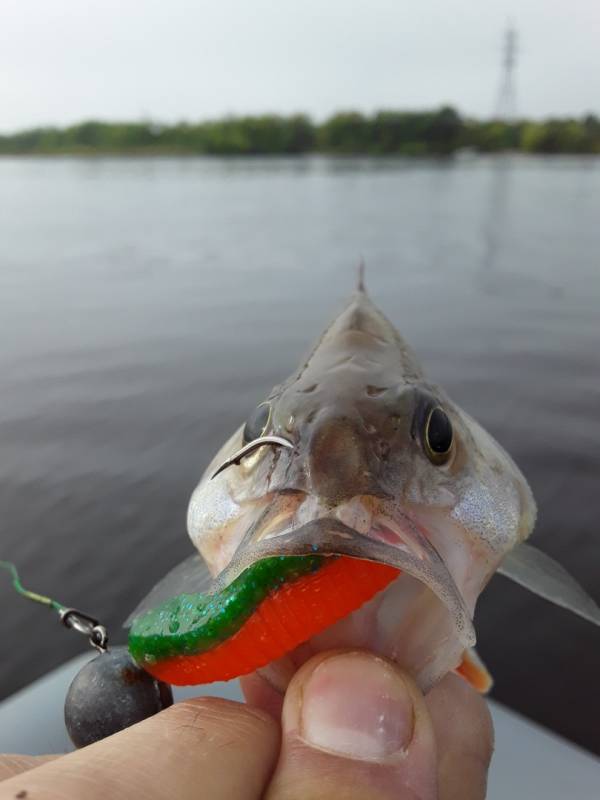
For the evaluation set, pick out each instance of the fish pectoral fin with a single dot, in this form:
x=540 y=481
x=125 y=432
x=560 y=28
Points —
x=191 y=576
x=474 y=671
x=542 y=575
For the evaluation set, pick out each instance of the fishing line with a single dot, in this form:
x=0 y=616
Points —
x=70 y=617
x=37 y=598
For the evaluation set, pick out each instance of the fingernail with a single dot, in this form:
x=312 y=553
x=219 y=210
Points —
x=358 y=706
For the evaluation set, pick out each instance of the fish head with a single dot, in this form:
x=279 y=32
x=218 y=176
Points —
x=379 y=464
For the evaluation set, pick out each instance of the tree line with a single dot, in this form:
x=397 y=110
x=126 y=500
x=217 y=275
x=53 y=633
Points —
x=438 y=132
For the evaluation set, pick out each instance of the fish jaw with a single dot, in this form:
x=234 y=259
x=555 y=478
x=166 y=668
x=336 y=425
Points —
x=422 y=620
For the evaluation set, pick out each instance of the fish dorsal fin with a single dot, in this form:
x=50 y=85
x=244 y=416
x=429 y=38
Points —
x=360 y=276
x=360 y=327
x=542 y=575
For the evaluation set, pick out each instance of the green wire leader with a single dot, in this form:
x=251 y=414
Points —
x=70 y=617
x=37 y=598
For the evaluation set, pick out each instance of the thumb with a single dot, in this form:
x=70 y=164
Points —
x=354 y=727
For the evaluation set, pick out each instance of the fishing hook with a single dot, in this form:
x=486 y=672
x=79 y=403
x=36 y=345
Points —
x=278 y=441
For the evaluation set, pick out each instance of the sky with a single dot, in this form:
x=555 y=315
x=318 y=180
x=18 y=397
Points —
x=62 y=61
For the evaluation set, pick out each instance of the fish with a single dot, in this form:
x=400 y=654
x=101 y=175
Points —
x=357 y=506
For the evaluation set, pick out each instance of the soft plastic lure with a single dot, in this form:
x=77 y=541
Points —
x=273 y=606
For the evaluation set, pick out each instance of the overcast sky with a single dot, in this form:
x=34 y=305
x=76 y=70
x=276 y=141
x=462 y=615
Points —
x=67 y=60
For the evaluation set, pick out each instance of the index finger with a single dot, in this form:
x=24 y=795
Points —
x=464 y=736
x=204 y=747
x=13 y=764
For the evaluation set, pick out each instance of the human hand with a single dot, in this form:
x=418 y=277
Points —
x=351 y=726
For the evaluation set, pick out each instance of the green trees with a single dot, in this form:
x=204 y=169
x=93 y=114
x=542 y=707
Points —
x=391 y=133
x=439 y=132
x=562 y=136
x=345 y=133
x=492 y=136
x=265 y=135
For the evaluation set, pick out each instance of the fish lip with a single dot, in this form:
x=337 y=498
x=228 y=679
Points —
x=327 y=535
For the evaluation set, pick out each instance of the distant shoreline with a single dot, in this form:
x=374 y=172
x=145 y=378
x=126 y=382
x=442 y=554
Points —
x=429 y=133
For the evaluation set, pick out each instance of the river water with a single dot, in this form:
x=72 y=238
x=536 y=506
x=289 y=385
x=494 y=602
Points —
x=146 y=305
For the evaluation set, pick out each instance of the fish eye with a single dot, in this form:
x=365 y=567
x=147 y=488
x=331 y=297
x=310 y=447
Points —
x=438 y=436
x=257 y=423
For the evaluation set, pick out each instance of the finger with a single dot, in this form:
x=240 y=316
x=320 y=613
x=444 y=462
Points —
x=202 y=748
x=14 y=764
x=260 y=694
x=354 y=728
x=464 y=736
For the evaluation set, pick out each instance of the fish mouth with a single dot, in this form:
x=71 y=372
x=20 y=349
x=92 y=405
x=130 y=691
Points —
x=366 y=527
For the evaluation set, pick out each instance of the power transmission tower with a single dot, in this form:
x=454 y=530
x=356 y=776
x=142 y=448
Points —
x=506 y=104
